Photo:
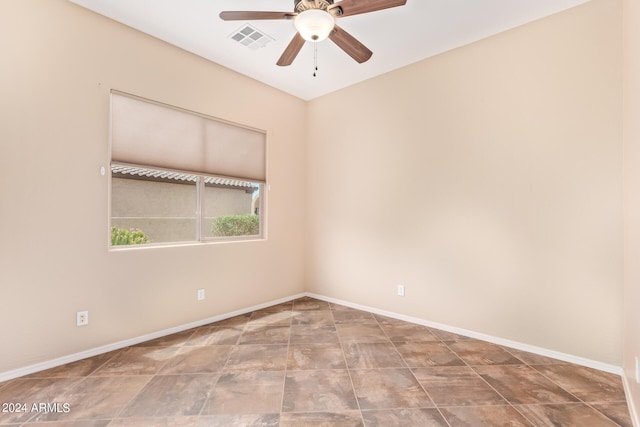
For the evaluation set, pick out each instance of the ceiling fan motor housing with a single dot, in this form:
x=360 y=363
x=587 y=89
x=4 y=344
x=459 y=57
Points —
x=302 y=5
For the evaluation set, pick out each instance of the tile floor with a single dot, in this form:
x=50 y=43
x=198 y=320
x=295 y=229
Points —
x=312 y=363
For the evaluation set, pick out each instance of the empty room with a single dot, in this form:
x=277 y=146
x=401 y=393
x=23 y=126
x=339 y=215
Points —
x=305 y=213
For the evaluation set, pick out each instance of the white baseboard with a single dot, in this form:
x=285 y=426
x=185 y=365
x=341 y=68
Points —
x=495 y=340
x=635 y=415
x=8 y=375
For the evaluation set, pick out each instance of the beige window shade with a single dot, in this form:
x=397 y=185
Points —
x=150 y=134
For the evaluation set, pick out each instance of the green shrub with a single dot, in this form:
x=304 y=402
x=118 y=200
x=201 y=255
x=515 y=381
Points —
x=121 y=236
x=236 y=225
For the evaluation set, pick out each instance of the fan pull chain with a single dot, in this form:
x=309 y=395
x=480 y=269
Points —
x=315 y=58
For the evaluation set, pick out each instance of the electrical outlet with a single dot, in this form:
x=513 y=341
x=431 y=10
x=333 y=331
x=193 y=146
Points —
x=82 y=318
x=401 y=290
x=200 y=294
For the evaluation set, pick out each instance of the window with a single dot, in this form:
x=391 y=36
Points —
x=177 y=176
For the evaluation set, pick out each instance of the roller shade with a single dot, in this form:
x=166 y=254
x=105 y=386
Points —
x=156 y=135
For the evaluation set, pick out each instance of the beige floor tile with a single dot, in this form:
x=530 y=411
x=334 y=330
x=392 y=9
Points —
x=265 y=334
x=361 y=332
x=215 y=335
x=174 y=340
x=425 y=354
x=585 y=383
x=372 y=355
x=251 y=420
x=137 y=361
x=198 y=360
x=246 y=393
x=533 y=359
x=475 y=352
x=520 y=384
x=404 y=417
x=350 y=315
x=236 y=322
x=616 y=411
x=310 y=304
x=306 y=334
x=388 y=389
x=572 y=414
x=318 y=391
x=271 y=318
x=285 y=306
x=384 y=320
x=321 y=419
x=155 y=422
x=472 y=416
x=81 y=423
x=315 y=356
x=257 y=358
x=408 y=332
x=172 y=395
x=313 y=317
x=457 y=386
x=449 y=336
x=81 y=368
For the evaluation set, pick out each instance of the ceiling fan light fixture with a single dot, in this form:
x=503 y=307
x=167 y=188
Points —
x=314 y=25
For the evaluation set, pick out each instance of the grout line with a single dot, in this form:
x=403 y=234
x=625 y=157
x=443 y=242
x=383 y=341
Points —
x=286 y=361
x=346 y=365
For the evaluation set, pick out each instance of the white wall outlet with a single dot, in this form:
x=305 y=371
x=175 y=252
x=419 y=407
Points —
x=638 y=369
x=82 y=318
x=200 y=294
x=401 y=290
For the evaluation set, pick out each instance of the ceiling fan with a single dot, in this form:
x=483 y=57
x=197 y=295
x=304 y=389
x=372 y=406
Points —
x=315 y=21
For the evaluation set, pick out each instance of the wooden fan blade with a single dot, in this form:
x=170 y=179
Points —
x=356 y=7
x=254 y=15
x=291 y=51
x=350 y=45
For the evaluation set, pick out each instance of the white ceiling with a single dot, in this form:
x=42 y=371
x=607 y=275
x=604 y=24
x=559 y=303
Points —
x=397 y=36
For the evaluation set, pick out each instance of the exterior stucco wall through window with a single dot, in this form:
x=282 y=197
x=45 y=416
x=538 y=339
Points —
x=165 y=211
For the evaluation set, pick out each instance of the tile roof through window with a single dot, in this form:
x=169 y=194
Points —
x=178 y=176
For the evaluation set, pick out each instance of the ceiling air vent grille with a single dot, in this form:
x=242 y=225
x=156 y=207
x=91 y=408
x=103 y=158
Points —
x=251 y=37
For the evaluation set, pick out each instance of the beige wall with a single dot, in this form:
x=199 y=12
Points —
x=632 y=198
x=59 y=63
x=487 y=180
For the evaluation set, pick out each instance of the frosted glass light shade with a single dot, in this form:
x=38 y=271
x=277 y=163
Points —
x=314 y=25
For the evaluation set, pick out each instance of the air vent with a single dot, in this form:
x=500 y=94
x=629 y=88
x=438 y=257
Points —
x=251 y=37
